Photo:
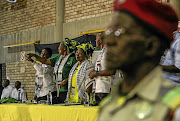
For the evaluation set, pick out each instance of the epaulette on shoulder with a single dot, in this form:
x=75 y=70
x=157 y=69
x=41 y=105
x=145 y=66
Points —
x=172 y=98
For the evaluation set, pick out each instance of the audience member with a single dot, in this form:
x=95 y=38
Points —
x=6 y=93
x=1 y=89
x=18 y=93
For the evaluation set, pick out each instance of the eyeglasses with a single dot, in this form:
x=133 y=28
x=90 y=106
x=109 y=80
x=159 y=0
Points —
x=117 y=33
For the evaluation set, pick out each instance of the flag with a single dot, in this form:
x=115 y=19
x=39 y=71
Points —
x=54 y=46
x=86 y=38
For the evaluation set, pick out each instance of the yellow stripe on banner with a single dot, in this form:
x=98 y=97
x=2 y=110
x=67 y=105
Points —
x=93 y=31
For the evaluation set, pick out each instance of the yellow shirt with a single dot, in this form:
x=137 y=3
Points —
x=73 y=97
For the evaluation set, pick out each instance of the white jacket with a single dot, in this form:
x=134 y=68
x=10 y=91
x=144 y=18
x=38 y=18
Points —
x=44 y=79
x=6 y=92
x=22 y=95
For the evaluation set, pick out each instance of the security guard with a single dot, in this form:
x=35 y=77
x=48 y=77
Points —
x=136 y=38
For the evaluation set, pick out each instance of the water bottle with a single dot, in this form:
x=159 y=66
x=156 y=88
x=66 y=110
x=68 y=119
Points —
x=93 y=92
x=94 y=99
x=50 y=97
x=86 y=101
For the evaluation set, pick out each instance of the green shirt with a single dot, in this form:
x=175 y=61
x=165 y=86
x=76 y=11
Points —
x=66 y=69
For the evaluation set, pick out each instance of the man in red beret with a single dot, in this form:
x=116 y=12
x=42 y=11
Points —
x=136 y=38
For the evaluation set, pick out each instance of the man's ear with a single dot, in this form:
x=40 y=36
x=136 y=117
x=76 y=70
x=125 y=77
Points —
x=152 y=46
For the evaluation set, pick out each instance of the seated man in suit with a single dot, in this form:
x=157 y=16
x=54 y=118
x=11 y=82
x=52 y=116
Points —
x=136 y=39
x=18 y=93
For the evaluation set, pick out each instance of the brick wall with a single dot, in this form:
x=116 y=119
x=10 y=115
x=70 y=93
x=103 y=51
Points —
x=3 y=71
x=82 y=9
x=23 y=72
x=16 y=17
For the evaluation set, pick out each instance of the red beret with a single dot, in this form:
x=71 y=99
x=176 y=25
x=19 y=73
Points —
x=158 y=15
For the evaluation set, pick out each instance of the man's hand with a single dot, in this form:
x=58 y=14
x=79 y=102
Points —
x=31 y=55
x=40 y=59
x=98 y=37
x=29 y=58
x=64 y=82
x=92 y=74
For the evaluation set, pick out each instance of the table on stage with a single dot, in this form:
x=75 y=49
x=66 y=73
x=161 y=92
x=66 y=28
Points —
x=40 y=112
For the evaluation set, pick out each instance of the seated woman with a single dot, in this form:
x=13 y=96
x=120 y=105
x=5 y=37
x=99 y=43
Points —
x=79 y=81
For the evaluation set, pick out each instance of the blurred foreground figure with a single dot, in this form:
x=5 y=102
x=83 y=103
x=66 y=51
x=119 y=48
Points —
x=136 y=38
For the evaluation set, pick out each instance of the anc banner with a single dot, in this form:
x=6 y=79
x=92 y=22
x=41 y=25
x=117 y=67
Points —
x=86 y=38
x=54 y=46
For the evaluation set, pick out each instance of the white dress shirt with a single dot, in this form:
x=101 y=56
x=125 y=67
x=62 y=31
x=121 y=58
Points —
x=44 y=79
x=103 y=83
x=172 y=57
x=6 y=93
x=22 y=96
